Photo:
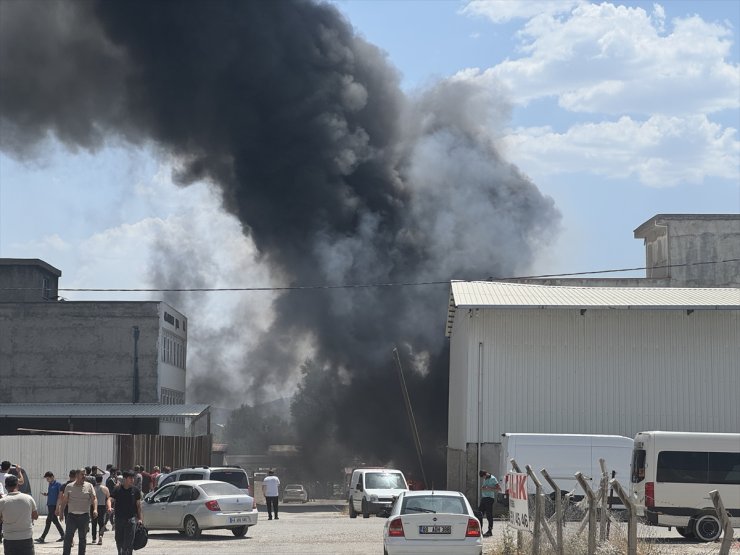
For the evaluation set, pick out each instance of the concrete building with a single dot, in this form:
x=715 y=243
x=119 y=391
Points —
x=28 y=280
x=599 y=355
x=104 y=352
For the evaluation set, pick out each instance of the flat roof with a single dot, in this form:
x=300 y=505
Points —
x=493 y=294
x=30 y=262
x=99 y=410
x=650 y=223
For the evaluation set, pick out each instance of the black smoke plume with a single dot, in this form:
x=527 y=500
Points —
x=334 y=173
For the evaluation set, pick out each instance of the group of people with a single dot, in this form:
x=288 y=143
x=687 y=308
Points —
x=89 y=499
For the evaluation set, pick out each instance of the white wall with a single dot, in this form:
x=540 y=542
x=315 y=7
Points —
x=57 y=453
x=604 y=372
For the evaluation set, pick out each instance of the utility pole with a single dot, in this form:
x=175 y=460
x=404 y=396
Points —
x=410 y=412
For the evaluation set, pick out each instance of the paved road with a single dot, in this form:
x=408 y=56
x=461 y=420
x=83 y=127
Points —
x=324 y=528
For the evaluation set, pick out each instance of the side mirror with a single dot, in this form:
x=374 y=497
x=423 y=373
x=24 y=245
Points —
x=359 y=487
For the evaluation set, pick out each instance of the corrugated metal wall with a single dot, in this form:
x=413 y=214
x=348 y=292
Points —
x=58 y=453
x=603 y=371
x=173 y=451
x=62 y=453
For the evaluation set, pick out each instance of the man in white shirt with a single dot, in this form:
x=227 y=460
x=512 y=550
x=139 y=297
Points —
x=17 y=513
x=271 y=490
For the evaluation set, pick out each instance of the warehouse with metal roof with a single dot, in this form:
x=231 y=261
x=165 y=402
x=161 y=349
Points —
x=585 y=360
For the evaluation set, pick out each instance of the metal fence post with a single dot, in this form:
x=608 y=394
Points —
x=591 y=513
x=725 y=520
x=604 y=493
x=631 y=515
x=559 y=549
x=536 y=536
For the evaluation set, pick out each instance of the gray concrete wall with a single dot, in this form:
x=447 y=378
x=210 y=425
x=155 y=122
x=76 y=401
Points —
x=77 y=352
x=691 y=241
x=25 y=283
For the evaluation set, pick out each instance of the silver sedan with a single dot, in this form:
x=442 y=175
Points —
x=195 y=505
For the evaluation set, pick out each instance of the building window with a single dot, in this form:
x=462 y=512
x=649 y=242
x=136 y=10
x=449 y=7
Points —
x=46 y=289
x=173 y=350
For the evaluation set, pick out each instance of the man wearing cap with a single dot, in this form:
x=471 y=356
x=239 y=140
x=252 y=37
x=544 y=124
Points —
x=17 y=513
x=79 y=497
x=52 y=496
x=488 y=490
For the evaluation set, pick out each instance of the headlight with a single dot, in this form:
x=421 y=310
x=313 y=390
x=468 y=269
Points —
x=373 y=498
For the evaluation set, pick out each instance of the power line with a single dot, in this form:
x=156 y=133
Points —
x=362 y=285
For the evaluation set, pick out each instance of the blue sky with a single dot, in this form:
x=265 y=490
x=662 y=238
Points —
x=616 y=110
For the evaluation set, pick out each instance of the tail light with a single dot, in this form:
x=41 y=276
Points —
x=650 y=494
x=212 y=505
x=254 y=503
x=473 y=530
x=395 y=529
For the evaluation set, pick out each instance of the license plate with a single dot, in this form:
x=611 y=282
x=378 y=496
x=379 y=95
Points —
x=435 y=529
x=238 y=520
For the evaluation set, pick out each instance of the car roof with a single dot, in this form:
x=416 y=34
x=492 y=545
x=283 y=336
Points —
x=198 y=482
x=294 y=486
x=428 y=492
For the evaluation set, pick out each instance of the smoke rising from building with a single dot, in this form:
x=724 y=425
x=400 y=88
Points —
x=335 y=175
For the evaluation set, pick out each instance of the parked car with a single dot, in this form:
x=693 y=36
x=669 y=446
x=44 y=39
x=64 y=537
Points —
x=296 y=493
x=234 y=475
x=428 y=521
x=192 y=506
x=372 y=490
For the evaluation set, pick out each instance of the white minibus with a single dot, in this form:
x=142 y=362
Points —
x=672 y=474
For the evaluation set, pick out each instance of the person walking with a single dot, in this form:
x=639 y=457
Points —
x=271 y=491
x=17 y=512
x=52 y=497
x=102 y=494
x=79 y=497
x=488 y=490
x=126 y=507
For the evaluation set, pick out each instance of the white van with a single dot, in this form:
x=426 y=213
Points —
x=562 y=455
x=673 y=473
x=373 y=490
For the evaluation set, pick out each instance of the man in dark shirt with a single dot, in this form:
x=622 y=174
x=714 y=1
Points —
x=52 y=496
x=127 y=506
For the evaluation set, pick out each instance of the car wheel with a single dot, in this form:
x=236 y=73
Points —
x=707 y=527
x=685 y=531
x=352 y=512
x=239 y=531
x=365 y=510
x=192 y=530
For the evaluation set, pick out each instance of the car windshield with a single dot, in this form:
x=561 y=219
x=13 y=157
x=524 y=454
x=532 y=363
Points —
x=384 y=480
x=235 y=477
x=220 y=488
x=433 y=504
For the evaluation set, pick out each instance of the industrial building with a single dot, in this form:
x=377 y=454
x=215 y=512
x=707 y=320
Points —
x=58 y=357
x=599 y=356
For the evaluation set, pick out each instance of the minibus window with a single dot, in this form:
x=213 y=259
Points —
x=724 y=468
x=683 y=467
x=638 y=466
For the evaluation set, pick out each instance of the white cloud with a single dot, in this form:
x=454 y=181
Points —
x=617 y=59
x=501 y=11
x=661 y=151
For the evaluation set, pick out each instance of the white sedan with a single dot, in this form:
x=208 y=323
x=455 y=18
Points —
x=429 y=522
x=191 y=506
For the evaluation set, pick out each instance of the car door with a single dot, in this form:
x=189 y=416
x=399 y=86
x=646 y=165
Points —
x=155 y=506
x=177 y=506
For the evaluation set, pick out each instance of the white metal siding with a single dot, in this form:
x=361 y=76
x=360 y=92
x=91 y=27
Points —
x=58 y=453
x=458 y=393
x=606 y=371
